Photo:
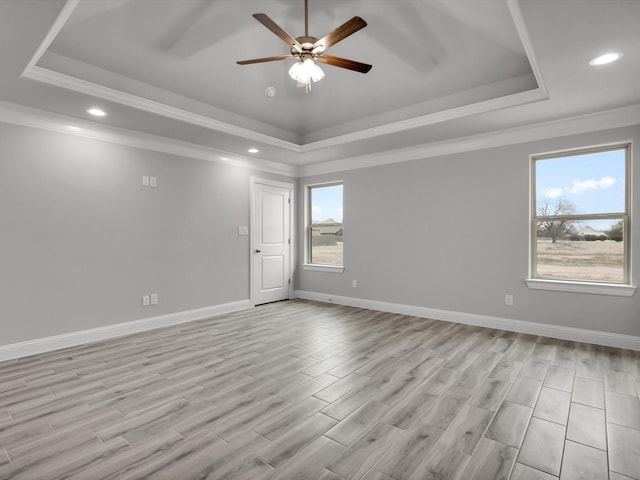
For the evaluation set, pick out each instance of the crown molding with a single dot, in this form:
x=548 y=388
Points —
x=89 y=88
x=57 y=25
x=616 y=118
x=485 y=106
x=518 y=21
x=31 y=117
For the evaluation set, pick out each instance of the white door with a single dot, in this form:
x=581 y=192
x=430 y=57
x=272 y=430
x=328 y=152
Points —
x=271 y=243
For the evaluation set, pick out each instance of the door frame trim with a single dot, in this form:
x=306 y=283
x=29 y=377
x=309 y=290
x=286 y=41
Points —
x=273 y=183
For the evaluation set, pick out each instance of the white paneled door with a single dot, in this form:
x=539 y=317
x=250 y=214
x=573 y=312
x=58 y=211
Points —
x=271 y=243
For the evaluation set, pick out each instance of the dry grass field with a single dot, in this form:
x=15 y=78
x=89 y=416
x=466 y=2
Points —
x=328 y=254
x=599 y=261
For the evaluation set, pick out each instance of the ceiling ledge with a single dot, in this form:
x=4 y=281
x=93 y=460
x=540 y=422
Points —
x=89 y=88
x=616 y=118
x=30 y=117
x=431 y=119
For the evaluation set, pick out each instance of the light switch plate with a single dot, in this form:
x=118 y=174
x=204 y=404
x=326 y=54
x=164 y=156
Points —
x=243 y=230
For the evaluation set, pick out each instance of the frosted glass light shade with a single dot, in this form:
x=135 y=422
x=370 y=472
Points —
x=305 y=71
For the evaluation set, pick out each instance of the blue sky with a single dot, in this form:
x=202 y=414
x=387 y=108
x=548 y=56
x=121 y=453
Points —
x=593 y=183
x=326 y=202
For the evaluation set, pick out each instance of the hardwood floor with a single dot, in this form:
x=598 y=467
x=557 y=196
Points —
x=303 y=390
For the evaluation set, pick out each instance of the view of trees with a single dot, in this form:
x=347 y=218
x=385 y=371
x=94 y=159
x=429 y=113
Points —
x=556 y=228
x=562 y=228
x=615 y=232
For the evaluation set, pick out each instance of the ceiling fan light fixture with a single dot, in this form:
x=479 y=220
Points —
x=306 y=71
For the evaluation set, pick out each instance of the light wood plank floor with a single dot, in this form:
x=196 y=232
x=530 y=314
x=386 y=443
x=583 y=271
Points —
x=303 y=390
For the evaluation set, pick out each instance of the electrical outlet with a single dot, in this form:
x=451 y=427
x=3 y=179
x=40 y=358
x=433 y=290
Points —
x=145 y=300
x=354 y=283
x=153 y=182
x=145 y=180
x=154 y=299
x=508 y=300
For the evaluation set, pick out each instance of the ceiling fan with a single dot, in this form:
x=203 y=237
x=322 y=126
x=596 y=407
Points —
x=309 y=50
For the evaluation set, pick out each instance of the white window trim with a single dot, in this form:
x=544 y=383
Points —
x=614 y=289
x=323 y=268
x=316 y=267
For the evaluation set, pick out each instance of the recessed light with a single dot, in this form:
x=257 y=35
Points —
x=96 y=112
x=606 y=58
x=253 y=150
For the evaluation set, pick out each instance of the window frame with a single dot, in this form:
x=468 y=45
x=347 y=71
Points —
x=307 y=265
x=624 y=288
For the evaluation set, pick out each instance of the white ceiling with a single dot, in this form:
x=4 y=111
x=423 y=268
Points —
x=442 y=70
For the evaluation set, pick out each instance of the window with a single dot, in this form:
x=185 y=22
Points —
x=580 y=216
x=324 y=225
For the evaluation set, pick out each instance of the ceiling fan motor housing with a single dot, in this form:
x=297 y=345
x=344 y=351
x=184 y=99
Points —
x=307 y=43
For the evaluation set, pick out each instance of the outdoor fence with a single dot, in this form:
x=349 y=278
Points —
x=326 y=240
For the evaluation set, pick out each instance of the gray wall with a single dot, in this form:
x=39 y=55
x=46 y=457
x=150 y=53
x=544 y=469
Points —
x=81 y=240
x=451 y=233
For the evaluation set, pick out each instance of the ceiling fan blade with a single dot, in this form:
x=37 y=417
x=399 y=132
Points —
x=343 y=31
x=344 y=63
x=262 y=60
x=273 y=26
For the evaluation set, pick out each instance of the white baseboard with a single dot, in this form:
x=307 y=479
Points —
x=554 y=331
x=41 y=345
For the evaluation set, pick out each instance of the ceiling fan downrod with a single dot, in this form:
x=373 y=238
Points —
x=306 y=18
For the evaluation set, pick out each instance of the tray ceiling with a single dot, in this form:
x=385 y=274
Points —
x=428 y=57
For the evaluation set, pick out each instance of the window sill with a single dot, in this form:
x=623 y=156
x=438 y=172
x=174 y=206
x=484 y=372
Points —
x=581 y=287
x=323 y=268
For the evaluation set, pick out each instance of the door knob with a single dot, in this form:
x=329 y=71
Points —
x=257 y=250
